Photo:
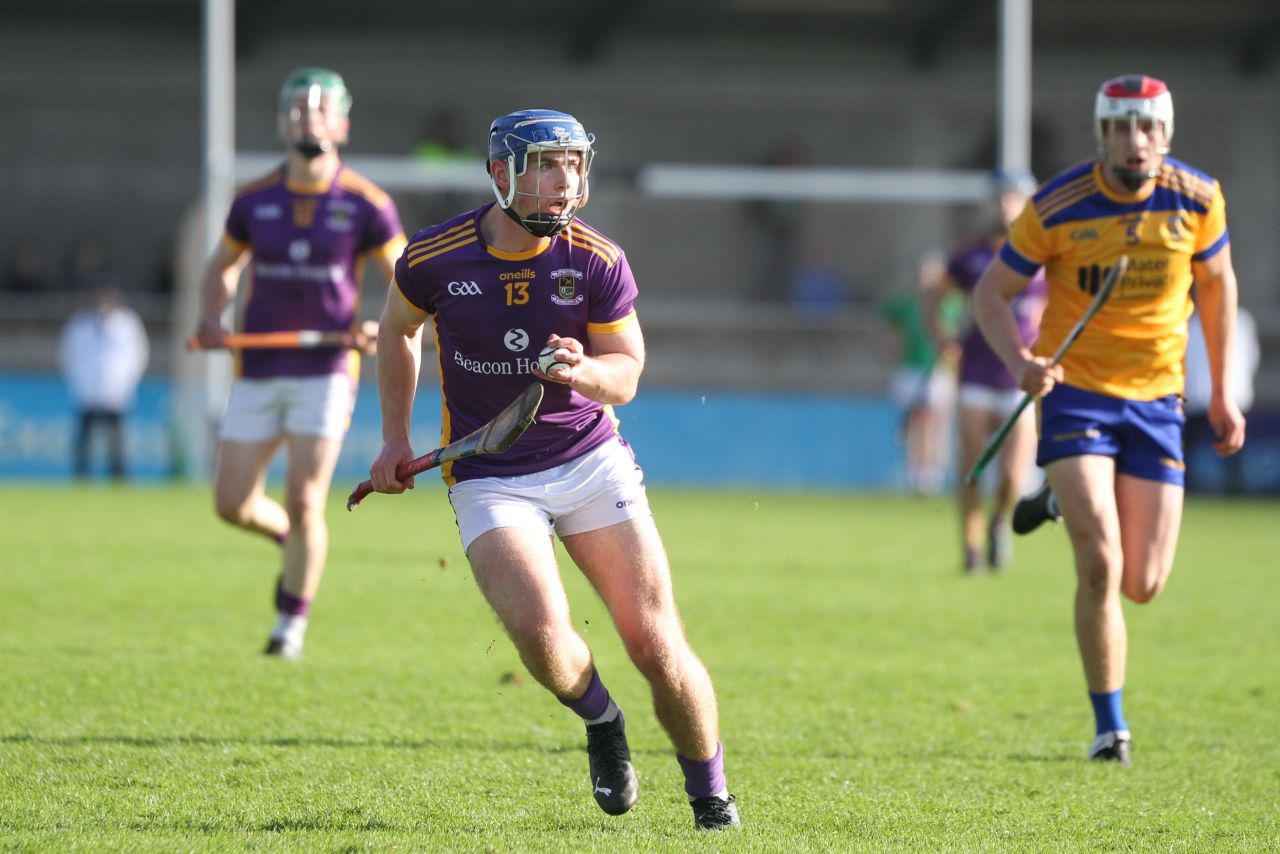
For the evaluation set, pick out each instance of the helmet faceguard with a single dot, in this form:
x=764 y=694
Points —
x=313 y=111
x=518 y=138
x=1134 y=98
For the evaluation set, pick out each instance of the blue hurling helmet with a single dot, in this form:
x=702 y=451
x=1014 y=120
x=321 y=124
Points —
x=513 y=137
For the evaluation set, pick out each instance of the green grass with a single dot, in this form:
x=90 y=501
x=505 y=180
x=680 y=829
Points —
x=871 y=697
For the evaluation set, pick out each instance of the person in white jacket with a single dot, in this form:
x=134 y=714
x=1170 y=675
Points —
x=103 y=352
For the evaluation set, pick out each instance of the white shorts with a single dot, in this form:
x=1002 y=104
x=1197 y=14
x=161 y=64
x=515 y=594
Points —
x=1001 y=401
x=600 y=488
x=260 y=410
x=911 y=387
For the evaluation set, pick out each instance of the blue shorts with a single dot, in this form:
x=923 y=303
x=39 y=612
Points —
x=1144 y=436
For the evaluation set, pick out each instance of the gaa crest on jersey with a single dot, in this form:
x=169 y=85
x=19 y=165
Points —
x=267 y=211
x=567 y=281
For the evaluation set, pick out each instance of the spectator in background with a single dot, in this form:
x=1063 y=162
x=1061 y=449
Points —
x=1198 y=433
x=923 y=386
x=87 y=267
x=817 y=284
x=26 y=271
x=988 y=393
x=779 y=225
x=443 y=144
x=443 y=140
x=103 y=352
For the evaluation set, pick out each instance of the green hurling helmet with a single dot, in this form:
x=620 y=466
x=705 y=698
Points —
x=300 y=81
x=307 y=90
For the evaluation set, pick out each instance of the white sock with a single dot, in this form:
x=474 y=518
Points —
x=723 y=795
x=290 y=627
x=611 y=712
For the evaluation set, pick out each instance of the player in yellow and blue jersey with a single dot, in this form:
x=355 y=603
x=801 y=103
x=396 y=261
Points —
x=1110 y=414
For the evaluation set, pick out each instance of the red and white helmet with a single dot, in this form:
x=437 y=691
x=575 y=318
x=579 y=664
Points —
x=1134 y=96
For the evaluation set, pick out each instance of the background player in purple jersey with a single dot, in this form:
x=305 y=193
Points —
x=303 y=232
x=497 y=284
x=988 y=392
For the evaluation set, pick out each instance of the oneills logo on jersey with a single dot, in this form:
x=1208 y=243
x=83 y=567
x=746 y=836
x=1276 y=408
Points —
x=566 y=287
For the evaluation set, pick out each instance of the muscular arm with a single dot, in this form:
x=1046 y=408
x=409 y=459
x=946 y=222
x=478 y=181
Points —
x=612 y=373
x=1216 y=295
x=993 y=313
x=399 y=351
x=217 y=289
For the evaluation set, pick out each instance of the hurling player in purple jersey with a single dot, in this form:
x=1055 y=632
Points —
x=303 y=232
x=988 y=392
x=497 y=284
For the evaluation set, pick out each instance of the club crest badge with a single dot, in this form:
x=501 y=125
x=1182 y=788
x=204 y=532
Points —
x=567 y=281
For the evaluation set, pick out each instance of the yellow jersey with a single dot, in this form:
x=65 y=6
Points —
x=1076 y=227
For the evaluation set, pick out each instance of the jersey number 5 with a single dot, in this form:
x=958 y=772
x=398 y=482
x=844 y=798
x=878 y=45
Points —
x=1133 y=227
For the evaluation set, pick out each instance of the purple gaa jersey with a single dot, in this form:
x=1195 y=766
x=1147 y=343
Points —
x=492 y=312
x=307 y=244
x=979 y=364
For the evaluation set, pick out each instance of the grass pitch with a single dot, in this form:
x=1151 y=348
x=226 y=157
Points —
x=871 y=697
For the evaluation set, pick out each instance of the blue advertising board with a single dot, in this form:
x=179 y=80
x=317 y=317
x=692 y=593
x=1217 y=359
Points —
x=718 y=439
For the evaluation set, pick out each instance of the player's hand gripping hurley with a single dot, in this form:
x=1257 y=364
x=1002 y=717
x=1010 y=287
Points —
x=1104 y=293
x=493 y=438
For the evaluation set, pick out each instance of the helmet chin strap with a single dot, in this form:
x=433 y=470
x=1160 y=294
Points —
x=539 y=225
x=1132 y=179
x=312 y=149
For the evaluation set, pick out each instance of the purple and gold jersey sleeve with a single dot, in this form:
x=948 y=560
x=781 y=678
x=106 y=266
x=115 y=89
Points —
x=433 y=249
x=383 y=228
x=614 y=289
x=236 y=230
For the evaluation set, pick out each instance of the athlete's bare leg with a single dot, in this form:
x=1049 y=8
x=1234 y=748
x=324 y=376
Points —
x=627 y=566
x=311 y=460
x=975 y=429
x=1017 y=458
x=516 y=571
x=1150 y=519
x=239 y=488
x=1085 y=487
